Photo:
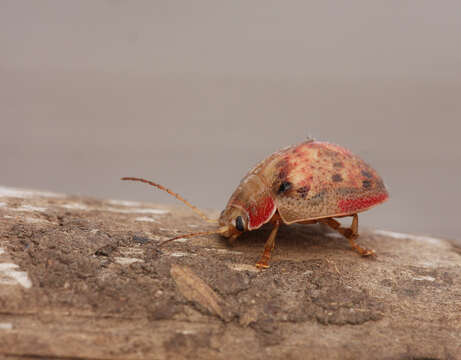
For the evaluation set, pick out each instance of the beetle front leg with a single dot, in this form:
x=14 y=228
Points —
x=350 y=233
x=263 y=263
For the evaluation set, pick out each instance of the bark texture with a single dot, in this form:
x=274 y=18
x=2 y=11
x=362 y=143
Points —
x=84 y=278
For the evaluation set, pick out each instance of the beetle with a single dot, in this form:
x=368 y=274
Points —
x=311 y=182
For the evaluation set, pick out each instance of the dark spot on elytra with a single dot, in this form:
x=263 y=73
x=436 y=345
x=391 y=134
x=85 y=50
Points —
x=318 y=198
x=327 y=154
x=338 y=164
x=337 y=178
x=303 y=191
x=283 y=174
x=366 y=184
x=367 y=174
x=346 y=191
x=284 y=187
x=283 y=165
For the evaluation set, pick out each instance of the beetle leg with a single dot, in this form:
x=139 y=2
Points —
x=350 y=233
x=263 y=263
x=231 y=240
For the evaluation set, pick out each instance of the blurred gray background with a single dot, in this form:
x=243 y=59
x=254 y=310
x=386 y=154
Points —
x=193 y=93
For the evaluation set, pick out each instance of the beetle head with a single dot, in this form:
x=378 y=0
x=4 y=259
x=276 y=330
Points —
x=235 y=220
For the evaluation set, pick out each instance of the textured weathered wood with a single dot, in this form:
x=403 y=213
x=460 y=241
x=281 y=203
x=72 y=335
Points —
x=82 y=278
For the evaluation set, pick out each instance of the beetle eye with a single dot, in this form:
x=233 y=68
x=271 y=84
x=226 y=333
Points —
x=239 y=225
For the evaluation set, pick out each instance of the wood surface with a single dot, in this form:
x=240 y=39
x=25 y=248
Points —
x=82 y=278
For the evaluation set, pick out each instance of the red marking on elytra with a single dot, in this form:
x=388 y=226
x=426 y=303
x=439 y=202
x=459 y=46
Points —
x=261 y=214
x=351 y=205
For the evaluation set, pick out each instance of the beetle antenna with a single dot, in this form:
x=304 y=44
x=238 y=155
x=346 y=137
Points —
x=221 y=230
x=177 y=196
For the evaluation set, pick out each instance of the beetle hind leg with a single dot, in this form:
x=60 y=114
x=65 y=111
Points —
x=350 y=234
x=263 y=263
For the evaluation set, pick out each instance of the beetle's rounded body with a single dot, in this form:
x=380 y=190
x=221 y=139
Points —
x=309 y=181
x=306 y=183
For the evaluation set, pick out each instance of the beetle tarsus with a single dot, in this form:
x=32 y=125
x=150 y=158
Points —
x=263 y=263
x=362 y=251
x=350 y=234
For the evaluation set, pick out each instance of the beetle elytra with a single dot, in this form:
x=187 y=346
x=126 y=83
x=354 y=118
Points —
x=308 y=183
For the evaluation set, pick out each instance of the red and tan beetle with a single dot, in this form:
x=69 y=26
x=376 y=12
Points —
x=312 y=182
